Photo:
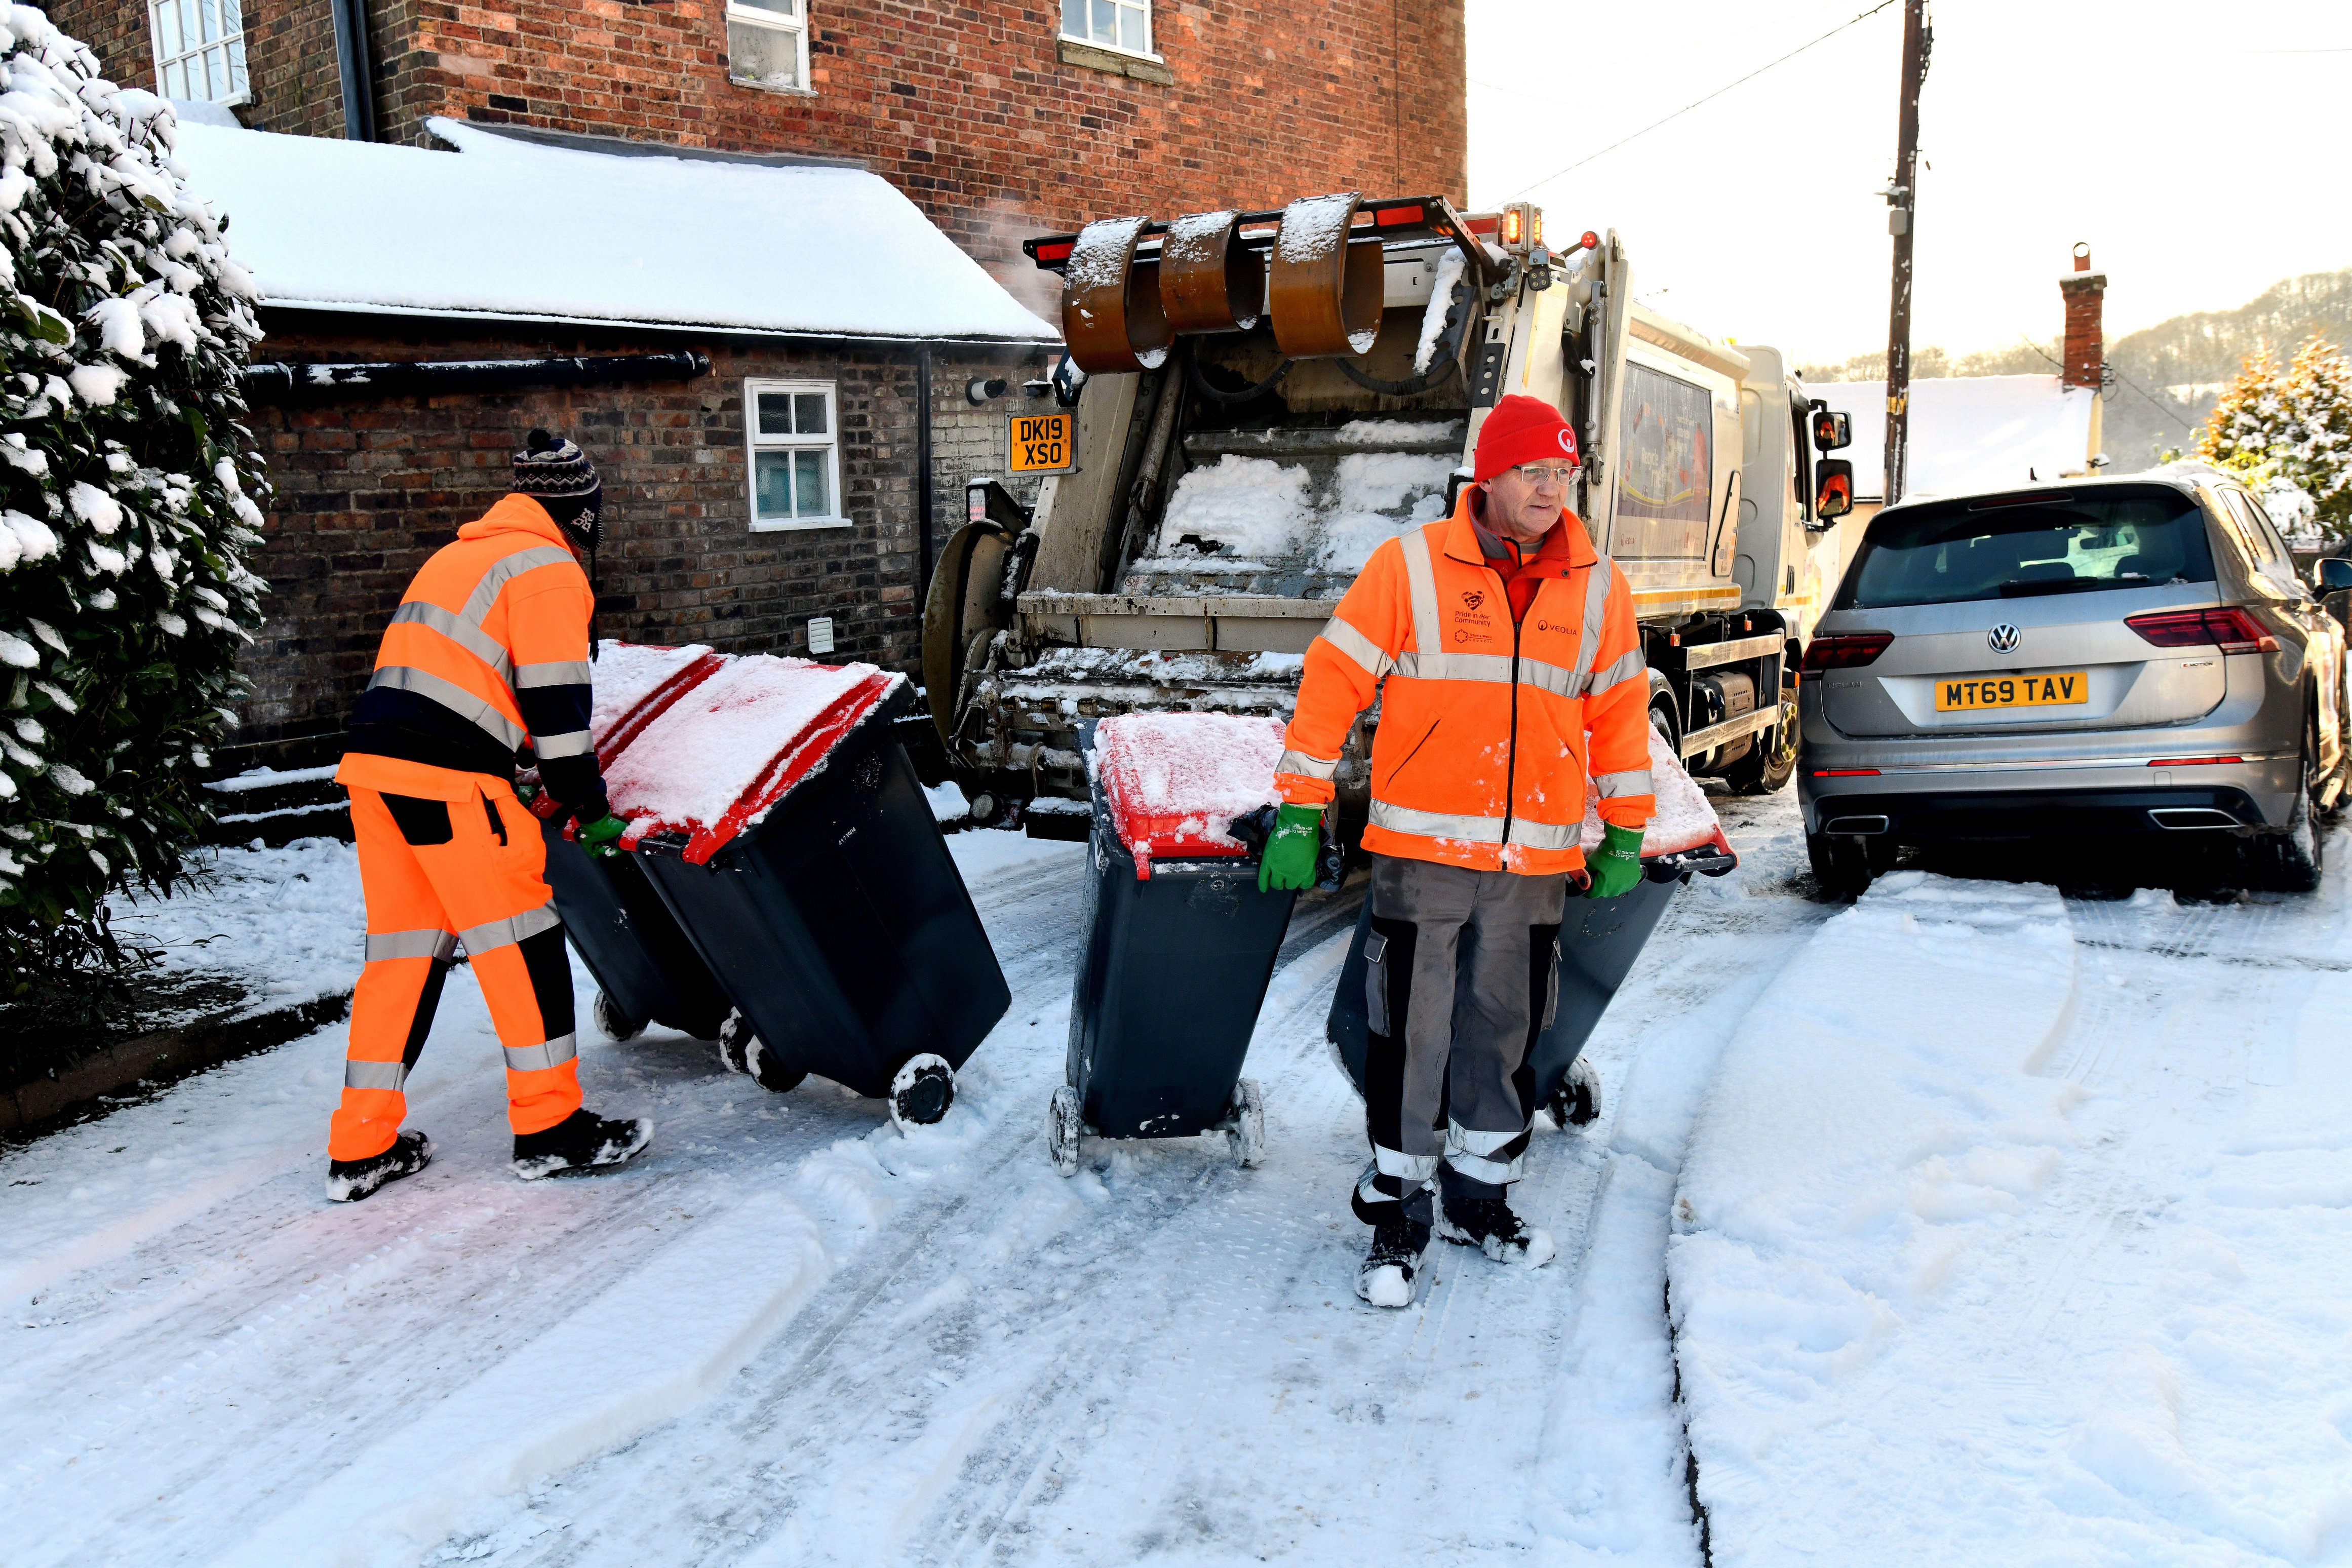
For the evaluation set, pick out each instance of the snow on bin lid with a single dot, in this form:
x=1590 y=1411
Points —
x=718 y=757
x=1174 y=782
x=635 y=681
x=1684 y=820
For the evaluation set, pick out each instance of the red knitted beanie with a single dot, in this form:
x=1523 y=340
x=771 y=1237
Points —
x=1522 y=430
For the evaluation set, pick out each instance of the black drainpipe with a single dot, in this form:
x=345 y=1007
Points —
x=355 y=67
x=923 y=476
x=309 y=383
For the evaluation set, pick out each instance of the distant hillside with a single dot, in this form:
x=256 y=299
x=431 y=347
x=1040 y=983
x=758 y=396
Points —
x=2168 y=374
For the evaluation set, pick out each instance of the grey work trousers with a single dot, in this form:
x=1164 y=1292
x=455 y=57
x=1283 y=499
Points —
x=1461 y=974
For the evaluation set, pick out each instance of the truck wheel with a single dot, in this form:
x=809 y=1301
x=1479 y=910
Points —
x=1064 y=1129
x=1245 y=1125
x=616 y=1024
x=1771 y=762
x=1844 y=862
x=922 y=1091
x=1577 y=1101
x=1664 y=719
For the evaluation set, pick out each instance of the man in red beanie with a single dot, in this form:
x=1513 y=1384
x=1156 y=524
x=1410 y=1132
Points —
x=1513 y=672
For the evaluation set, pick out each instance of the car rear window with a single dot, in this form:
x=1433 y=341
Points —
x=2008 y=547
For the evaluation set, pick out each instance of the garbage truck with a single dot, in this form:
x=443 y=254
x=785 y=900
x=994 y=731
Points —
x=1251 y=402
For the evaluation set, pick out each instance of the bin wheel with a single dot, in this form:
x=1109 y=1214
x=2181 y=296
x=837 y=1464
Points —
x=1064 y=1129
x=922 y=1091
x=1577 y=1101
x=732 y=1036
x=765 y=1068
x=1245 y=1125
x=616 y=1024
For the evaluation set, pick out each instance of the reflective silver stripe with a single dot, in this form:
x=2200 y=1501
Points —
x=1311 y=768
x=1420 y=578
x=375 y=1075
x=554 y=672
x=505 y=570
x=1630 y=666
x=1436 y=824
x=571 y=743
x=463 y=633
x=1633 y=781
x=1530 y=834
x=493 y=934
x=429 y=943
x=1461 y=1140
x=1596 y=614
x=1369 y=654
x=1494 y=1173
x=1552 y=677
x=453 y=697
x=1493 y=667
x=539 y=1058
x=1410 y=1167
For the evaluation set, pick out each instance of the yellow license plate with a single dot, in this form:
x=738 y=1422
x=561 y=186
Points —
x=2054 y=689
x=1045 y=443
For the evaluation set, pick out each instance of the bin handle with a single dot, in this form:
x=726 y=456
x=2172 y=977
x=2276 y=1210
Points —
x=1707 y=860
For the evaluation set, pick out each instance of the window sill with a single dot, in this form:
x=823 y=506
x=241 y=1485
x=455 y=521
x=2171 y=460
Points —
x=1118 y=62
x=797 y=525
x=748 y=86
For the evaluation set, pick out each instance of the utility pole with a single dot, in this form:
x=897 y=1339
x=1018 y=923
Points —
x=1903 y=202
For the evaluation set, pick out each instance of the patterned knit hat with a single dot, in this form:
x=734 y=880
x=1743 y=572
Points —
x=557 y=474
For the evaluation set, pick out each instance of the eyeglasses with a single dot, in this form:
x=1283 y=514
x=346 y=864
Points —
x=1541 y=474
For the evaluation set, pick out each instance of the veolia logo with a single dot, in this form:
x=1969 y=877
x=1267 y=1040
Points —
x=1567 y=440
x=2003 y=639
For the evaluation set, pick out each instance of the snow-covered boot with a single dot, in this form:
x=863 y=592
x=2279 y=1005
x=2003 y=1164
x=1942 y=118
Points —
x=1488 y=1224
x=579 y=1142
x=349 y=1181
x=1393 y=1265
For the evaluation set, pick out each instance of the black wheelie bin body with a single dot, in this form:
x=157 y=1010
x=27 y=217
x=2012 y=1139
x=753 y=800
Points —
x=629 y=939
x=1598 y=941
x=837 y=920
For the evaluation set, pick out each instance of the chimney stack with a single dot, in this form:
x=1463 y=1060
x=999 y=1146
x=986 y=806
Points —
x=2086 y=293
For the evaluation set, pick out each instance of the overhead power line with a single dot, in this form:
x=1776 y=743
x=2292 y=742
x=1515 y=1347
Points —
x=1696 y=104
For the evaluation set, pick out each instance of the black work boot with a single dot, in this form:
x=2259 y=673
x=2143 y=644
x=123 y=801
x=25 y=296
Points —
x=349 y=1181
x=1393 y=1267
x=1488 y=1224
x=580 y=1141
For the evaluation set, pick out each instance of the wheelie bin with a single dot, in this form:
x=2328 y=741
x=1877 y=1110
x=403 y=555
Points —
x=646 y=972
x=784 y=828
x=1179 y=941
x=1598 y=941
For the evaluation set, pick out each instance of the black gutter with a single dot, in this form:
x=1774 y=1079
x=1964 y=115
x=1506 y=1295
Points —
x=922 y=477
x=297 y=313
x=312 y=382
x=353 y=64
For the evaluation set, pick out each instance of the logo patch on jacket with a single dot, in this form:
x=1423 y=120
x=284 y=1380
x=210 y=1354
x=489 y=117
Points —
x=1474 y=598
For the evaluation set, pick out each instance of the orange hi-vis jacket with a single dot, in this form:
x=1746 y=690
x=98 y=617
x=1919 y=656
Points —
x=1482 y=753
x=487 y=651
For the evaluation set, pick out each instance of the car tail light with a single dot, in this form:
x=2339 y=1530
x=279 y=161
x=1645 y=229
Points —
x=2191 y=761
x=1845 y=650
x=1845 y=772
x=2232 y=630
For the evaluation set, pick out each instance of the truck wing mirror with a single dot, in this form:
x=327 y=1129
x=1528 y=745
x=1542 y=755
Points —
x=2334 y=574
x=1831 y=431
x=1834 y=491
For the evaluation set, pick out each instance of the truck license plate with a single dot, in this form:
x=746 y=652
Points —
x=1045 y=443
x=2054 y=689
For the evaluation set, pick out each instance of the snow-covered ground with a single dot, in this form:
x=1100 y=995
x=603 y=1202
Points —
x=2087 y=1259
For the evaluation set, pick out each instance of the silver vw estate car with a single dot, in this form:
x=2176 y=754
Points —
x=2133 y=655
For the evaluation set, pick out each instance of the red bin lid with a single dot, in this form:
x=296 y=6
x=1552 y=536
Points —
x=1173 y=781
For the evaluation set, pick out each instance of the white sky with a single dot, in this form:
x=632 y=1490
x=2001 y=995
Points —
x=2202 y=160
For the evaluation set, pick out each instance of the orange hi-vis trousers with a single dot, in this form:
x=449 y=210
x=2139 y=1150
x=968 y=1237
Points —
x=439 y=873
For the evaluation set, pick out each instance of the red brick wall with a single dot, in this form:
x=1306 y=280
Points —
x=367 y=488
x=116 y=32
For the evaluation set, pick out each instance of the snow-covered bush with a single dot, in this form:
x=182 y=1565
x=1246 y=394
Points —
x=2289 y=433
x=127 y=495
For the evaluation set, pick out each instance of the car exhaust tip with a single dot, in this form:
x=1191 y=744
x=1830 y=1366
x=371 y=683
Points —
x=2181 y=818
x=1861 y=824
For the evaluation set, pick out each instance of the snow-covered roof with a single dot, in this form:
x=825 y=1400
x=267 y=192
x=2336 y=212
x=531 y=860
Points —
x=1967 y=433
x=510 y=229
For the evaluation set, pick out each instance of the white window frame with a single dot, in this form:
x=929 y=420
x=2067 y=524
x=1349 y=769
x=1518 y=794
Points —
x=774 y=22
x=224 y=50
x=754 y=443
x=1150 y=41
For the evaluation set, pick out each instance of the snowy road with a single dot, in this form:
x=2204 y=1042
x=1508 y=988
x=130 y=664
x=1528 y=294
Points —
x=791 y=1335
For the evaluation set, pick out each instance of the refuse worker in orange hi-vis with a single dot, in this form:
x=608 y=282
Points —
x=488 y=655
x=1509 y=669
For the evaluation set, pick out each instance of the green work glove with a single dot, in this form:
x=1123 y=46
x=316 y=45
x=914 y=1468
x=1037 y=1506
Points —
x=1616 y=866
x=1288 y=863
x=602 y=836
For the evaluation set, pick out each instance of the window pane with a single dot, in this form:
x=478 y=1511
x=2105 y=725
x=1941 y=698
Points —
x=167 y=29
x=1074 y=18
x=809 y=412
x=772 y=485
x=809 y=483
x=763 y=56
x=1106 y=22
x=205 y=20
x=775 y=414
x=781 y=7
x=1131 y=28
x=236 y=63
x=212 y=73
